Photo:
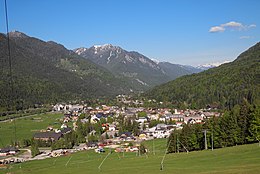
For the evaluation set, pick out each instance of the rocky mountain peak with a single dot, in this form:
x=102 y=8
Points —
x=80 y=50
x=17 y=34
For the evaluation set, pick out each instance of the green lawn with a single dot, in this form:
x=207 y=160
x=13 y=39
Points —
x=239 y=159
x=26 y=127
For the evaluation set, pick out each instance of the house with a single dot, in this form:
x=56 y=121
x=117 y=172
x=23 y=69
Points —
x=141 y=120
x=112 y=127
x=94 y=119
x=63 y=126
x=194 y=119
x=179 y=125
x=49 y=128
x=66 y=130
x=143 y=136
x=45 y=136
x=162 y=118
x=161 y=126
x=8 y=151
x=126 y=136
x=154 y=116
x=161 y=133
x=66 y=119
x=92 y=145
x=58 y=107
x=177 y=117
x=110 y=134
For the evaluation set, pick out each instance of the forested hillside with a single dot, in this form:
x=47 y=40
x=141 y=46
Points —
x=46 y=72
x=240 y=125
x=223 y=86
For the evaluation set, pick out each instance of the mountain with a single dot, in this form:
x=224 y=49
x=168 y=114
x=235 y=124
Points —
x=211 y=65
x=45 y=72
x=135 y=67
x=224 y=86
x=141 y=71
x=175 y=70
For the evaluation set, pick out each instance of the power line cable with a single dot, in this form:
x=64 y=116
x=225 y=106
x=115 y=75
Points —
x=10 y=66
x=9 y=50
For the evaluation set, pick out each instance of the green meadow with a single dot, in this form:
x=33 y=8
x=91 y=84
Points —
x=26 y=127
x=238 y=159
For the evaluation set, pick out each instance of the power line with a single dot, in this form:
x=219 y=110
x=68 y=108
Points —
x=10 y=66
x=9 y=50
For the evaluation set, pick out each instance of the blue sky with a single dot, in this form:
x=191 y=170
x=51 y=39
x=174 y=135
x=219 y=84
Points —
x=188 y=32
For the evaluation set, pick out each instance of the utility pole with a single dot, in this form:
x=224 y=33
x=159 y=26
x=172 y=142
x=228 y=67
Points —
x=177 y=142
x=161 y=168
x=205 y=139
x=212 y=141
x=153 y=147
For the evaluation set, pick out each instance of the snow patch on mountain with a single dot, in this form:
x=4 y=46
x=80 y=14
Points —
x=149 y=63
x=129 y=58
x=211 y=65
x=108 y=59
x=81 y=50
x=143 y=83
x=155 y=61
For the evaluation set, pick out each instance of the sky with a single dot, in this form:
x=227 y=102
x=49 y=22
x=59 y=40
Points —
x=190 y=32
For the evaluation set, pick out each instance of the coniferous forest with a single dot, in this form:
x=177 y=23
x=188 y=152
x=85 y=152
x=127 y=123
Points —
x=240 y=125
x=223 y=87
x=233 y=88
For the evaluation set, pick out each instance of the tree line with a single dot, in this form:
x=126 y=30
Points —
x=240 y=125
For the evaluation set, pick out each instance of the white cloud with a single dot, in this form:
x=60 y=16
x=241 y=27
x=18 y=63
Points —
x=231 y=25
x=244 y=37
x=216 y=29
x=251 y=26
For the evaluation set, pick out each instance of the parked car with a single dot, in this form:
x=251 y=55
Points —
x=99 y=150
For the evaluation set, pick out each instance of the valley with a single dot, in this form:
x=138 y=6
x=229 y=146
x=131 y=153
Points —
x=129 y=87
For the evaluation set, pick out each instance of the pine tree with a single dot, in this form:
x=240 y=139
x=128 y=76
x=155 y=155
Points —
x=243 y=121
x=172 y=141
x=254 y=128
x=34 y=148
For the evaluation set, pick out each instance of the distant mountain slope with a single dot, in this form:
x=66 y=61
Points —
x=174 y=70
x=135 y=67
x=48 y=72
x=224 y=86
x=211 y=65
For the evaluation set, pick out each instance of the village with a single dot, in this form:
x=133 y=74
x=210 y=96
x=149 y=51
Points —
x=121 y=129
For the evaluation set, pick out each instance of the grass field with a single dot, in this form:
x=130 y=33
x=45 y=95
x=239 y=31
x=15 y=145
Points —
x=26 y=127
x=239 y=159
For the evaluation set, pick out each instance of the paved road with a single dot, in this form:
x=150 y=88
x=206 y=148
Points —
x=25 y=155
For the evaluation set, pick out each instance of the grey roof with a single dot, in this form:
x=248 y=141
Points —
x=51 y=135
x=8 y=149
x=66 y=130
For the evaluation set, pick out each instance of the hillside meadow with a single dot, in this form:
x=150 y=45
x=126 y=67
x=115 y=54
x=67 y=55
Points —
x=26 y=127
x=238 y=159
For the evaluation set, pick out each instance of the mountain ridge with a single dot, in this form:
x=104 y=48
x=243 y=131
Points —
x=139 y=69
x=224 y=86
x=46 y=72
